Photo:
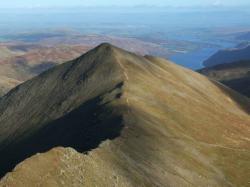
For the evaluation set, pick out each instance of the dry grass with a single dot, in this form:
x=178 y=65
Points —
x=180 y=129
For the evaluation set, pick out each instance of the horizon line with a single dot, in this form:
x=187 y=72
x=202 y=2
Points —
x=127 y=6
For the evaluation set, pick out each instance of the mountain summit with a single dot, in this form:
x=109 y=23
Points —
x=113 y=118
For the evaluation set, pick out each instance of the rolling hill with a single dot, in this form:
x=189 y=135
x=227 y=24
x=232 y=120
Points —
x=243 y=36
x=235 y=75
x=239 y=53
x=113 y=118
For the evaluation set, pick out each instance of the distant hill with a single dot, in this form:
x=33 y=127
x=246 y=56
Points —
x=243 y=45
x=239 y=53
x=23 y=61
x=244 y=36
x=235 y=75
x=113 y=118
x=7 y=83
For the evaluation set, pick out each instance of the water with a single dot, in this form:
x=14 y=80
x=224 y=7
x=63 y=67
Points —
x=188 y=26
x=193 y=60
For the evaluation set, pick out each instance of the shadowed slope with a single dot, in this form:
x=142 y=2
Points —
x=166 y=125
x=235 y=75
x=66 y=106
x=82 y=129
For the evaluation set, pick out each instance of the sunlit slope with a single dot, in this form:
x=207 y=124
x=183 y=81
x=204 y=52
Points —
x=141 y=121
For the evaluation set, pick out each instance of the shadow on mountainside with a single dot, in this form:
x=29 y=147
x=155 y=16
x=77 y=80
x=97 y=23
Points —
x=241 y=85
x=242 y=101
x=82 y=129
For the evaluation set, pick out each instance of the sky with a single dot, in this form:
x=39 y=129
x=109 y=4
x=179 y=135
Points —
x=72 y=3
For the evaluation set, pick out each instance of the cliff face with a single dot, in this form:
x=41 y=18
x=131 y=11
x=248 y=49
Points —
x=111 y=117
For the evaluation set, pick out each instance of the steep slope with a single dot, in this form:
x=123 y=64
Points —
x=31 y=60
x=239 y=53
x=127 y=120
x=235 y=75
x=7 y=83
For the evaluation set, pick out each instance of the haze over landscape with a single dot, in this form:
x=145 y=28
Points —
x=124 y=93
x=65 y=3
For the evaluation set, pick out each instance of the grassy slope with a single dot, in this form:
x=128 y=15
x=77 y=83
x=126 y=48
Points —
x=21 y=66
x=180 y=129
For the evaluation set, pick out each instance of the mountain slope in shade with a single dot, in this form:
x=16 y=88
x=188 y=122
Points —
x=235 y=75
x=229 y=55
x=112 y=118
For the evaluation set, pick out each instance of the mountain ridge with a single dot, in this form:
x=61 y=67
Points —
x=111 y=117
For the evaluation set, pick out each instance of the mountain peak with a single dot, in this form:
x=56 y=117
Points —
x=106 y=45
x=106 y=49
x=130 y=120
